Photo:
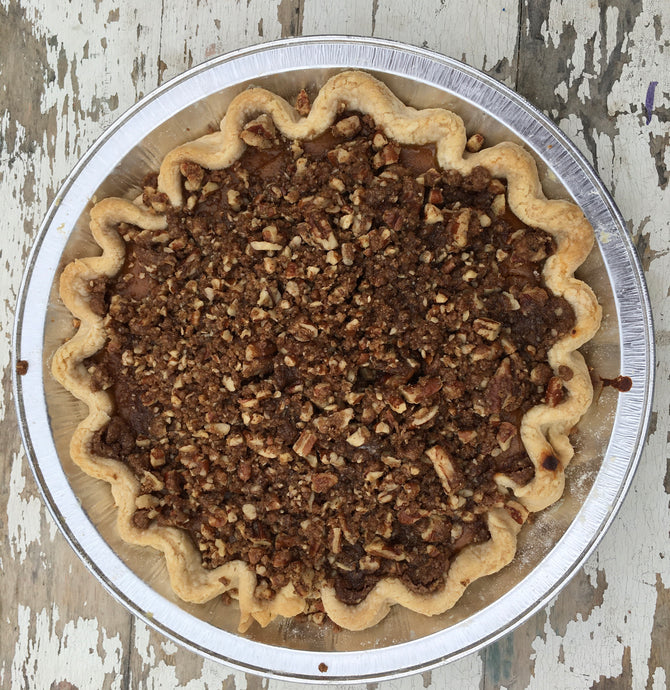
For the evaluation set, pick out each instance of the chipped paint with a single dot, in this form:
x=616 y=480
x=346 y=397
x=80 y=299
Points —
x=50 y=651
x=659 y=657
x=623 y=681
x=289 y=15
x=599 y=69
x=24 y=514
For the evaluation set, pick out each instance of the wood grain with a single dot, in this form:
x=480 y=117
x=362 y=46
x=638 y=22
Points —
x=599 y=69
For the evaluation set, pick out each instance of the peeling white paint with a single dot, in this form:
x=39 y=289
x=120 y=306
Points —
x=24 y=514
x=630 y=559
x=77 y=651
x=611 y=17
x=142 y=643
x=169 y=648
x=624 y=619
x=154 y=673
x=659 y=680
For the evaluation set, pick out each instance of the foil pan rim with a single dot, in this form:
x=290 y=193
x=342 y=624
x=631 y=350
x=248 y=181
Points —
x=637 y=357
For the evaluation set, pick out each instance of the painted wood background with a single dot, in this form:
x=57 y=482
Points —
x=600 y=69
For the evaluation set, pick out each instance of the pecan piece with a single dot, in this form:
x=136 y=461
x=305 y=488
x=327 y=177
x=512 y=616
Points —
x=335 y=422
x=438 y=530
x=435 y=197
x=318 y=232
x=555 y=392
x=387 y=156
x=487 y=328
x=303 y=331
x=303 y=446
x=194 y=175
x=444 y=468
x=430 y=178
x=382 y=550
x=424 y=415
x=475 y=143
x=348 y=127
x=263 y=246
x=323 y=481
x=426 y=387
x=498 y=205
x=259 y=133
x=359 y=438
x=432 y=214
x=302 y=104
x=506 y=432
x=459 y=227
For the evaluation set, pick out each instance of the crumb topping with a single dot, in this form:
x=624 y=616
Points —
x=322 y=362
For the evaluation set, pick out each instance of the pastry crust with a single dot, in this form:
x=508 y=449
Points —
x=544 y=429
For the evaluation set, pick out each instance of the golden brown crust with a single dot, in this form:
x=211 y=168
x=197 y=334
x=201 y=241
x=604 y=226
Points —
x=544 y=429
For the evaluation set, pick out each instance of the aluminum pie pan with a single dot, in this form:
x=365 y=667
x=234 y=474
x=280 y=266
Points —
x=557 y=542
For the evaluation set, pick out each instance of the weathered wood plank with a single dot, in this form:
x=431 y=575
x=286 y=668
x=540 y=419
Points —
x=188 y=38
x=52 y=631
x=589 y=66
x=484 y=34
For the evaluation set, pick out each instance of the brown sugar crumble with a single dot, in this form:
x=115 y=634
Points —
x=322 y=362
x=21 y=367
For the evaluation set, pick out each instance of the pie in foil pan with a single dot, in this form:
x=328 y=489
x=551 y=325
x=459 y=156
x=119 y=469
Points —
x=178 y=127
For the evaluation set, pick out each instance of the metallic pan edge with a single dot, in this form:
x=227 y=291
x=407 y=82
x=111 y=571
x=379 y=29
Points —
x=637 y=356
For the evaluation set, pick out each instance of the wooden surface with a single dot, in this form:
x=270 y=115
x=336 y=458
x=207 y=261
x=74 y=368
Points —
x=599 y=69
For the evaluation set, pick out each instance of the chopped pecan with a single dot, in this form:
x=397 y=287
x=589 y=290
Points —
x=506 y=432
x=426 y=387
x=487 y=328
x=424 y=415
x=555 y=391
x=429 y=178
x=445 y=469
x=382 y=550
x=302 y=103
x=499 y=205
x=194 y=175
x=303 y=331
x=459 y=226
x=303 y=446
x=437 y=530
x=432 y=214
x=475 y=143
x=263 y=246
x=387 y=156
x=347 y=128
x=335 y=422
x=359 y=438
x=323 y=481
x=259 y=133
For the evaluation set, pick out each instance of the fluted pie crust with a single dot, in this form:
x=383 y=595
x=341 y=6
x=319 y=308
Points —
x=544 y=429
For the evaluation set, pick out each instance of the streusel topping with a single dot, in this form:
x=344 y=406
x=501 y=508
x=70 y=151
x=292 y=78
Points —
x=321 y=364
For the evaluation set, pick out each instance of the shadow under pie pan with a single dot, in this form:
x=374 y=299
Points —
x=551 y=547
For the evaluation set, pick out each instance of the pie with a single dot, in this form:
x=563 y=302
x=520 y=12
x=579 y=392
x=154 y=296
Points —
x=330 y=355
